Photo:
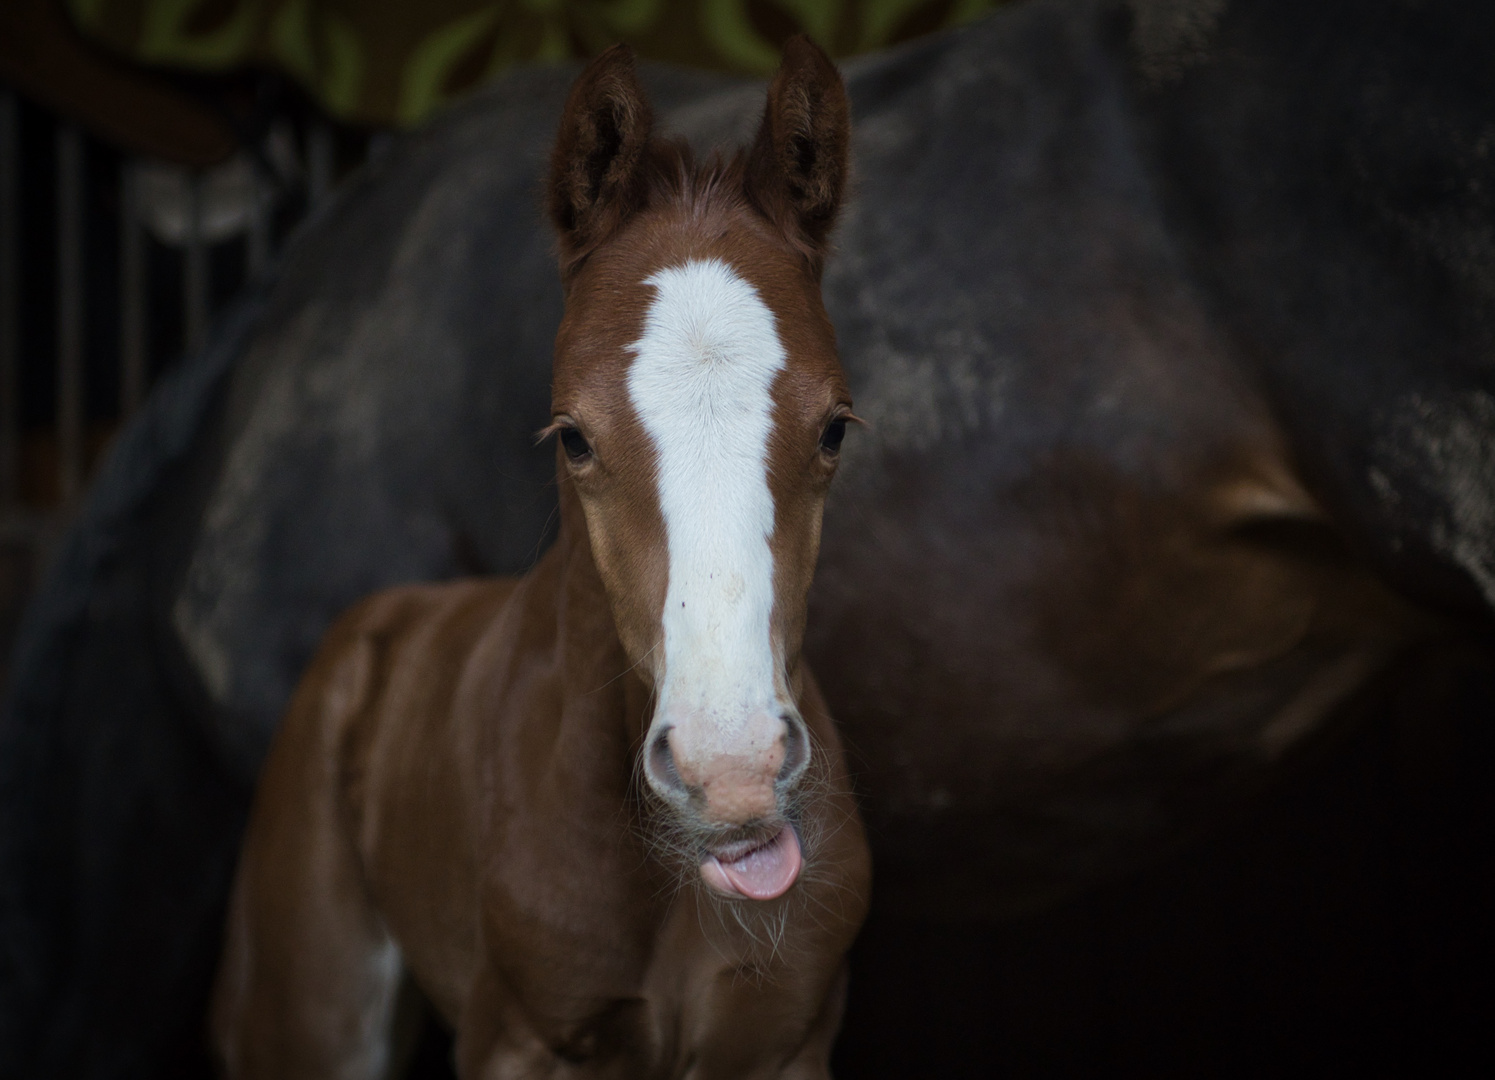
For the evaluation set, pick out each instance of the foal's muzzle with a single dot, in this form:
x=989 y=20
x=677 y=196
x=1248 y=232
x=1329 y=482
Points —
x=734 y=800
x=724 y=786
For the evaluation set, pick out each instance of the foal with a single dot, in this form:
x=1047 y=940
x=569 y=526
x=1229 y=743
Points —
x=598 y=814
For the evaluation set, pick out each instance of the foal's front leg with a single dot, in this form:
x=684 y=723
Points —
x=309 y=975
x=493 y=1040
x=758 y=1031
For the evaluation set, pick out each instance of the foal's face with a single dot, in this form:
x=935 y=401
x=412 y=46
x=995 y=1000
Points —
x=701 y=408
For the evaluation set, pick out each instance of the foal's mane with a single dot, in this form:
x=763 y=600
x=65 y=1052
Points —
x=672 y=175
x=719 y=185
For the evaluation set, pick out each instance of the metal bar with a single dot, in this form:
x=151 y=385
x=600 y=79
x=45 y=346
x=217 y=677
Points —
x=132 y=330
x=70 y=462
x=257 y=251
x=379 y=144
x=195 y=276
x=10 y=304
x=319 y=162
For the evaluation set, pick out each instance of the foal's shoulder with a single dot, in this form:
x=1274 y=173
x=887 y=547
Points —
x=381 y=628
x=405 y=609
x=394 y=652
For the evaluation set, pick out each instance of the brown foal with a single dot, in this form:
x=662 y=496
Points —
x=598 y=814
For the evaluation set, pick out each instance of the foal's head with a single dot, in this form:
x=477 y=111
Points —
x=700 y=409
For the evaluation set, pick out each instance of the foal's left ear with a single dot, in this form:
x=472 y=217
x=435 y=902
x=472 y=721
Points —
x=597 y=169
x=797 y=168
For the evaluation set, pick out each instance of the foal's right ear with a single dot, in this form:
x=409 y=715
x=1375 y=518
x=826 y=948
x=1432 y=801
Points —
x=597 y=174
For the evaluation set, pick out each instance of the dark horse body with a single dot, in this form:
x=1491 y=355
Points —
x=1174 y=330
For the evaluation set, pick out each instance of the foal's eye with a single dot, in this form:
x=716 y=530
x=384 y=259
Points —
x=575 y=443
x=830 y=441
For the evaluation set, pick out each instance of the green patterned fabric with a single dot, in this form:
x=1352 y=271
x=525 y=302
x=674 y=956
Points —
x=385 y=62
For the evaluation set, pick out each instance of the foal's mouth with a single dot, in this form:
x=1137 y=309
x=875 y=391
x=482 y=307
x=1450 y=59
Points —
x=754 y=869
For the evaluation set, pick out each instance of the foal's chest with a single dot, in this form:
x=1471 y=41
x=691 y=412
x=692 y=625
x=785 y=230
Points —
x=589 y=958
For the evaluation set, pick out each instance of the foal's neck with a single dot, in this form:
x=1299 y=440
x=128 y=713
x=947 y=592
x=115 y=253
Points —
x=603 y=697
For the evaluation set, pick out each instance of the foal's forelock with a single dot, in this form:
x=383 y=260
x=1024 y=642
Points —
x=701 y=382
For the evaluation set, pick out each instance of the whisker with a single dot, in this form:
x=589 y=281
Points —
x=631 y=667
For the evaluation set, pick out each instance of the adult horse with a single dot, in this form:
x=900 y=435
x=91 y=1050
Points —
x=1172 y=323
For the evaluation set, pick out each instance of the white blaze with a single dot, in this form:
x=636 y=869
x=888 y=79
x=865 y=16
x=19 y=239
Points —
x=701 y=382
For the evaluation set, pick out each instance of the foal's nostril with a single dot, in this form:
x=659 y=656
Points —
x=796 y=750
x=661 y=765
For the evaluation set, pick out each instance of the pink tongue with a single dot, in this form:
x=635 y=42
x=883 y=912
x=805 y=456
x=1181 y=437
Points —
x=761 y=874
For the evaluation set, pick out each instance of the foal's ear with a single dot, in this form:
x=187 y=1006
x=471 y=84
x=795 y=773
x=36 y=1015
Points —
x=797 y=168
x=597 y=167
